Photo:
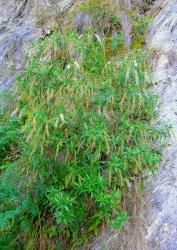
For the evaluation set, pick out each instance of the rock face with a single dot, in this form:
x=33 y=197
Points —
x=16 y=31
x=162 y=230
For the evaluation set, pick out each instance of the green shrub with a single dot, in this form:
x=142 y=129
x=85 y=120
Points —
x=79 y=131
x=84 y=125
x=139 y=30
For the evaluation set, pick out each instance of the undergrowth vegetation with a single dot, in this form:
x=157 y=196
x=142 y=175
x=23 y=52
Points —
x=77 y=133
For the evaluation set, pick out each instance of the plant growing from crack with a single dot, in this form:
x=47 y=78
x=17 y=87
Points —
x=81 y=132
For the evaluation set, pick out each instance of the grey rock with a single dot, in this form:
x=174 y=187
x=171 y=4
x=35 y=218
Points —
x=16 y=31
x=162 y=214
x=12 y=54
x=126 y=28
x=82 y=22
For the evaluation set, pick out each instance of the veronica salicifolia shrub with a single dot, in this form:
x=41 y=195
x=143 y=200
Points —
x=86 y=129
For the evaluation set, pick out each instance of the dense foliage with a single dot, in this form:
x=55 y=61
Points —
x=80 y=131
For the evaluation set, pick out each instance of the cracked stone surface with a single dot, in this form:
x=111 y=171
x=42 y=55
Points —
x=162 y=229
x=16 y=31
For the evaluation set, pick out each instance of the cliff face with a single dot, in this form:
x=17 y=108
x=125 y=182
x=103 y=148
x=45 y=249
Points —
x=16 y=31
x=162 y=230
x=18 y=28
